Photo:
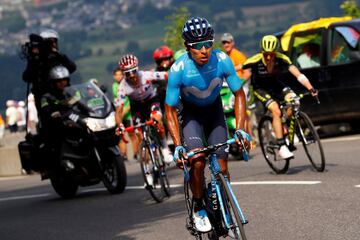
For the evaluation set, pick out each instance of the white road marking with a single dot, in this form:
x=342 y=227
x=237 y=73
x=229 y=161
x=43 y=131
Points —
x=24 y=197
x=172 y=186
x=276 y=183
x=357 y=185
x=343 y=139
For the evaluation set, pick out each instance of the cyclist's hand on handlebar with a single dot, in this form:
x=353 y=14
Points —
x=120 y=130
x=314 y=92
x=180 y=152
x=245 y=137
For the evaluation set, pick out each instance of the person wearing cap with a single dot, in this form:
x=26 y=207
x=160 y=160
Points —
x=238 y=58
x=193 y=106
x=38 y=68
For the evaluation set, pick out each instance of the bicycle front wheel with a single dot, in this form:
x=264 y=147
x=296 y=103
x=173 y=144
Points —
x=311 y=142
x=269 y=146
x=152 y=171
x=231 y=211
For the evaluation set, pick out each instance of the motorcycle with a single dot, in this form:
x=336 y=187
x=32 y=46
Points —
x=228 y=100
x=88 y=153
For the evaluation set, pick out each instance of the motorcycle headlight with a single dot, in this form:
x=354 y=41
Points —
x=96 y=124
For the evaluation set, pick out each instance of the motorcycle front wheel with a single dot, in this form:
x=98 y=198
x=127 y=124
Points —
x=64 y=185
x=114 y=175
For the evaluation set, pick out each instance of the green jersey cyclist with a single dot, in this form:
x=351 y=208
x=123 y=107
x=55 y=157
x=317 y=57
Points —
x=193 y=104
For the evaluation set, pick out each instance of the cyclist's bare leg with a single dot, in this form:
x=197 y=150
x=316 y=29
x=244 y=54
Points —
x=276 y=123
x=122 y=146
x=224 y=167
x=197 y=177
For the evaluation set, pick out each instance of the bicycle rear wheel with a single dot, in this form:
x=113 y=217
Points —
x=232 y=211
x=269 y=146
x=154 y=179
x=311 y=142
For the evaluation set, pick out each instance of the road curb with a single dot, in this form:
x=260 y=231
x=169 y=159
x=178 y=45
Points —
x=10 y=164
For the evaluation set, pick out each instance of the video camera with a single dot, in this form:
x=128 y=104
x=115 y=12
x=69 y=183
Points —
x=36 y=48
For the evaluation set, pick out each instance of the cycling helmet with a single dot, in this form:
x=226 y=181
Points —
x=49 y=33
x=162 y=52
x=58 y=73
x=128 y=62
x=269 y=43
x=197 y=29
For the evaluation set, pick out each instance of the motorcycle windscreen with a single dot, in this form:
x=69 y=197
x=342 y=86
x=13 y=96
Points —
x=88 y=99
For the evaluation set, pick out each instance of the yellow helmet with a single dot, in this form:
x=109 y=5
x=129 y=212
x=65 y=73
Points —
x=269 y=43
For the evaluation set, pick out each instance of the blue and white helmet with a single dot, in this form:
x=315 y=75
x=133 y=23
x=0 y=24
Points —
x=197 y=29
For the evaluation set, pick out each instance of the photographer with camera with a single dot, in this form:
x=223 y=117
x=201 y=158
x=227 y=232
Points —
x=42 y=54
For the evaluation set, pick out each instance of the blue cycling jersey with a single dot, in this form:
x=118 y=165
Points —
x=200 y=84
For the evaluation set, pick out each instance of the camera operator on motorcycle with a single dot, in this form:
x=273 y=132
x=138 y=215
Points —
x=42 y=54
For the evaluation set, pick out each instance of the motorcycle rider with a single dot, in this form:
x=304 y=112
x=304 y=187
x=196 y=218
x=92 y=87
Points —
x=53 y=106
x=44 y=56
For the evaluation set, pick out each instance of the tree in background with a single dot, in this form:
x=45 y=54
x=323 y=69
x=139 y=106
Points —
x=350 y=8
x=173 y=31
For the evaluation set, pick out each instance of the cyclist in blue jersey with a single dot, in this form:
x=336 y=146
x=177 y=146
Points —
x=193 y=94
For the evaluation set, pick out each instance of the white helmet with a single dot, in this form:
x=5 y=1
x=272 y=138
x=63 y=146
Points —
x=59 y=72
x=49 y=33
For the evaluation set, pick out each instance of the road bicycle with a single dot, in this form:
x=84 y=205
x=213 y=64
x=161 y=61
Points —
x=153 y=167
x=300 y=129
x=222 y=207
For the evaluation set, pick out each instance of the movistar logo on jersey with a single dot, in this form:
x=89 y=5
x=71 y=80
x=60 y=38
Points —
x=203 y=94
x=177 y=66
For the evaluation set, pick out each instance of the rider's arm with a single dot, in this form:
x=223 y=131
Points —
x=119 y=103
x=171 y=101
x=119 y=114
x=300 y=77
x=240 y=108
x=158 y=76
x=173 y=124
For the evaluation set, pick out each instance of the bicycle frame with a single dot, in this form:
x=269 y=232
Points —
x=215 y=170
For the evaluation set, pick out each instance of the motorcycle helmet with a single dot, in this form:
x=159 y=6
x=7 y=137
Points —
x=59 y=73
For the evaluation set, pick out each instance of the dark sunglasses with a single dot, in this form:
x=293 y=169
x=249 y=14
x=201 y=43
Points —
x=199 y=45
x=131 y=72
x=225 y=42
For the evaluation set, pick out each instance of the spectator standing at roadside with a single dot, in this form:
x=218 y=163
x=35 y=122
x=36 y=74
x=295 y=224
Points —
x=21 y=120
x=238 y=58
x=32 y=115
x=11 y=116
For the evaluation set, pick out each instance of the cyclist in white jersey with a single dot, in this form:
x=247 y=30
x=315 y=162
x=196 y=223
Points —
x=144 y=101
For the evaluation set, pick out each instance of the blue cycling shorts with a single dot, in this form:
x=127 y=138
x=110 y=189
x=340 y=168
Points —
x=202 y=126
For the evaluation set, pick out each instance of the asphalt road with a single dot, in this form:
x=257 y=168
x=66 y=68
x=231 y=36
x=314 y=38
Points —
x=301 y=204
